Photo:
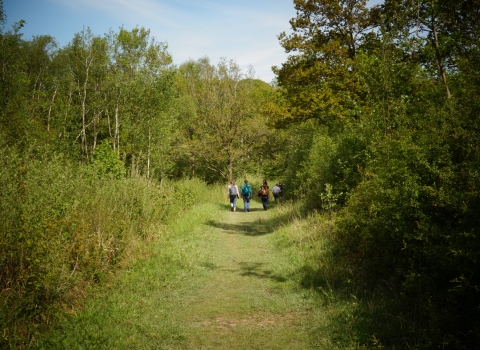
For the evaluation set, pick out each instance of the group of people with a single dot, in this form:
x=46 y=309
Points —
x=246 y=194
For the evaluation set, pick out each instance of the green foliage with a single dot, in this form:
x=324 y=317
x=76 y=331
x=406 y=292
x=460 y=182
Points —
x=410 y=227
x=63 y=228
x=107 y=163
x=320 y=82
x=91 y=135
x=337 y=160
x=222 y=120
x=329 y=199
x=400 y=155
x=377 y=117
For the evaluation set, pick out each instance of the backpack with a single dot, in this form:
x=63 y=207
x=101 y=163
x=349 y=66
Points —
x=233 y=191
x=246 y=190
x=264 y=191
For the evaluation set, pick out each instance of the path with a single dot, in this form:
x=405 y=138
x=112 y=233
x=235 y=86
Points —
x=215 y=282
x=244 y=303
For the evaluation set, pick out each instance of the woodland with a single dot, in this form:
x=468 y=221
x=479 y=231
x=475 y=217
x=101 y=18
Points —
x=373 y=122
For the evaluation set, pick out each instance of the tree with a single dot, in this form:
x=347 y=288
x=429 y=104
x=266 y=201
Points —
x=85 y=59
x=407 y=228
x=154 y=96
x=220 y=129
x=318 y=80
x=139 y=96
x=446 y=31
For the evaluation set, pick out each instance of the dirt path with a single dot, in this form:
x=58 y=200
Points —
x=244 y=302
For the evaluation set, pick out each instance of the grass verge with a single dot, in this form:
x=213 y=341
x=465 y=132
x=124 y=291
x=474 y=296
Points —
x=217 y=279
x=134 y=310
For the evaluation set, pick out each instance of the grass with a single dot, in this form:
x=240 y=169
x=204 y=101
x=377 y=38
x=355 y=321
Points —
x=133 y=310
x=215 y=280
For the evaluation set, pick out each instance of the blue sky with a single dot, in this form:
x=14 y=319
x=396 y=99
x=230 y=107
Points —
x=244 y=30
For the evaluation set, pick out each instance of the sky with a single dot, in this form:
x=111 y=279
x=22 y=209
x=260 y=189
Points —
x=243 y=30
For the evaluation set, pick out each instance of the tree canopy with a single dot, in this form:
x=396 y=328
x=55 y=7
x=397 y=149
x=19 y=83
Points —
x=373 y=120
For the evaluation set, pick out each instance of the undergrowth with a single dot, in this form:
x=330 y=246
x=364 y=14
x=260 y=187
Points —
x=134 y=309
x=65 y=227
x=309 y=243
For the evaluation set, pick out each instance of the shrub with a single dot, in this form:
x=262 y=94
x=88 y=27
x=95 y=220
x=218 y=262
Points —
x=62 y=227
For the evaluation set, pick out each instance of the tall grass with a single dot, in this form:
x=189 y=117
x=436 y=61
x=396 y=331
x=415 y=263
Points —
x=309 y=243
x=139 y=307
x=62 y=228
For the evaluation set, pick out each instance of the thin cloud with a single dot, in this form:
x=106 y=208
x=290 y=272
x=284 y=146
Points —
x=132 y=11
x=244 y=31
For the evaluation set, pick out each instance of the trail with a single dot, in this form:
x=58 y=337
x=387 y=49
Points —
x=215 y=282
x=244 y=303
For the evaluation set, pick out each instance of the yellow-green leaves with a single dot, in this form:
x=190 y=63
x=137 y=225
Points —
x=318 y=79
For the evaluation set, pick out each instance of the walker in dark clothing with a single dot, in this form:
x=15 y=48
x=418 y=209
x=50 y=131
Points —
x=263 y=194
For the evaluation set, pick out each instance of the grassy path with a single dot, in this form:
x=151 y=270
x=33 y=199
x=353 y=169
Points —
x=244 y=302
x=215 y=282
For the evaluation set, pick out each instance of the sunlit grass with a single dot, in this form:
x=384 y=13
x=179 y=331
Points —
x=196 y=277
x=135 y=309
x=223 y=280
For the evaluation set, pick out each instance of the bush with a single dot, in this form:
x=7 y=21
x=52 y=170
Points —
x=337 y=161
x=107 y=163
x=409 y=232
x=62 y=227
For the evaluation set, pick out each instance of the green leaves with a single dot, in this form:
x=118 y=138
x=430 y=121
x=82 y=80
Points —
x=107 y=163
x=392 y=124
x=220 y=115
x=319 y=81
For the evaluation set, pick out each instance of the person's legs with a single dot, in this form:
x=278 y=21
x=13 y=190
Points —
x=246 y=204
x=265 y=202
x=232 y=202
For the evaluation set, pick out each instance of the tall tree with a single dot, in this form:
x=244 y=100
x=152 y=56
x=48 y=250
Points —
x=219 y=129
x=140 y=94
x=85 y=70
x=154 y=96
x=318 y=80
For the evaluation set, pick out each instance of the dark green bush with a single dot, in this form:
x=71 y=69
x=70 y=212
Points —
x=411 y=229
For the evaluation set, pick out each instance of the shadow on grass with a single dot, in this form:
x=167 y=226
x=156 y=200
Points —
x=209 y=266
x=358 y=315
x=257 y=209
x=255 y=270
x=248 y=269
x=375 y=316
x=257 y=228
x=247 y=229
x=226 y=207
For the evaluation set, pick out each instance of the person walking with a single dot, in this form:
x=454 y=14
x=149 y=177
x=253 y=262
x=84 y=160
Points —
x=277 y=192
x=263 y=194
x=233 y=195
x=246 y=192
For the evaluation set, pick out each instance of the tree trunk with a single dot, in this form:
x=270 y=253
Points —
x=116 y=137
x=440 y=67
x=148 y=154
x=50 y=109
x=84 y=111
x=230 y=170
x=132 y=169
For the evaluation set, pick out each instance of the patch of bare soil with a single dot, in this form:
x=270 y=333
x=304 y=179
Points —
x=259 y=319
